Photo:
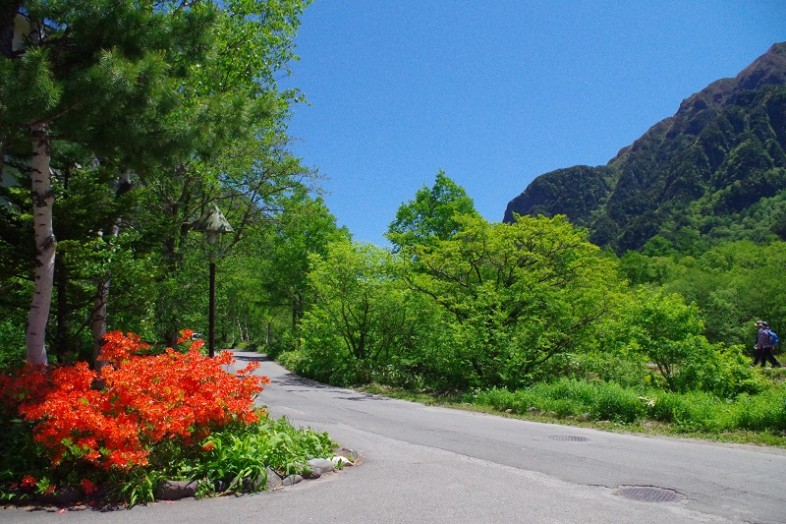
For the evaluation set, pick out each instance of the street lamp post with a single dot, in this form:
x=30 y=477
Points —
x=213 y=223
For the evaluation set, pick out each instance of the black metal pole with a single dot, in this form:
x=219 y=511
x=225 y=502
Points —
x=211 y=337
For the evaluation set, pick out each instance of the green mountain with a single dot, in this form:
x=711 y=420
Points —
x=714 y=171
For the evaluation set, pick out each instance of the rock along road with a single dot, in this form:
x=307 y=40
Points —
x=433 y=465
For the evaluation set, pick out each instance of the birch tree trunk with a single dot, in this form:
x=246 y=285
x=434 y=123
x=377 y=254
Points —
x=43 y=200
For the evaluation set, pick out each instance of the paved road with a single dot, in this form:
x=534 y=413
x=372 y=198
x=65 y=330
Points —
x=435 y=465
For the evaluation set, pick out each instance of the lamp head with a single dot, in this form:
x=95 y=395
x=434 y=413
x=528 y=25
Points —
x=212 y=222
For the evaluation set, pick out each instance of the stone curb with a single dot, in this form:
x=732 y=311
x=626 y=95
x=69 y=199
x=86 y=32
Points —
x=180 y=489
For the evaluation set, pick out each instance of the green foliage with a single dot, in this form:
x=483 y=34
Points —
x=360 y=317
x=732 y=285
x=617 y=404
x=238 y=460
x=694 y=411
x=492 y=304
x=295 y=360
x=719 y=370
x=606 y=401
x=522 y=296
x=138 y=486
x=619 y=364
x=567 y=398
x=668 y=334
x=304 y=227
x=12 y=344
x=763 y=412
x=434 y=214
x=667 y=331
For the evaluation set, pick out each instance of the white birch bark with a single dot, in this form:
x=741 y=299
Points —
x=43 y=200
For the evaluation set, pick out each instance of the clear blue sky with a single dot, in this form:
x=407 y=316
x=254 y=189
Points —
x=497 y=92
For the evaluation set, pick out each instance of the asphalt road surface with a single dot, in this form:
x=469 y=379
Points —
x=433 y=465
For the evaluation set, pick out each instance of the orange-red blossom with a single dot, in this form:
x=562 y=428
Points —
x=142 y=400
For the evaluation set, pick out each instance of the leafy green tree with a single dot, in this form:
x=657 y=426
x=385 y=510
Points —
x=668 y=332
x=357 y=318
x=169 y=91
x=434 y=214
x=523 y=296
x=241 y=160
x=95 y=74
x=303 y=227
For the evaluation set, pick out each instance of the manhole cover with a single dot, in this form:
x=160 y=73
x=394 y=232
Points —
x=568 y=438
x=648 y=494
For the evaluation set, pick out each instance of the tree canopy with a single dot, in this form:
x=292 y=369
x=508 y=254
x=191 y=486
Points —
x=176 y=99
x=434 y=214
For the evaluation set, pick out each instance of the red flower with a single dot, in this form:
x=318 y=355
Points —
x=144 y=400
x=88 y=487
x=28 y=481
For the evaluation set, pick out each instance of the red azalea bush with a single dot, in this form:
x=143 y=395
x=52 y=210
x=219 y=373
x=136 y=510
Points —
x=115 y=417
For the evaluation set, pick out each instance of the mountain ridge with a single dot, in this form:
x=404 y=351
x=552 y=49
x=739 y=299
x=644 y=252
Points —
x=721 y=153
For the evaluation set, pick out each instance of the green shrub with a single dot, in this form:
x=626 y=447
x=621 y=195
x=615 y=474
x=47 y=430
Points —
x=292 y=360
x=238 y=460
x=766 y=411
x=579 y=391
x=285 y=344
x=569 y=398
x=665 y=406
x=562 y=407
x=617 y=367
x=615 y=403
x=502 y=400
x=12 y=343
x=694 y=411
x=721 y=370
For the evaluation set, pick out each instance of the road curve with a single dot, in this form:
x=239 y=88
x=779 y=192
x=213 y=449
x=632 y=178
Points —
x=433 y=465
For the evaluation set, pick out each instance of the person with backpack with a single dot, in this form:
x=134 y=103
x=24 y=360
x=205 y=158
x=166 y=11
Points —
x=766 y=340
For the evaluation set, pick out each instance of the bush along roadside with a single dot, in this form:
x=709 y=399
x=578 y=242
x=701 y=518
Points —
x=143 y=424
x=689 y=412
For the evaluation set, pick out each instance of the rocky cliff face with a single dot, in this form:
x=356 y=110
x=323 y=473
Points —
x=705 y=169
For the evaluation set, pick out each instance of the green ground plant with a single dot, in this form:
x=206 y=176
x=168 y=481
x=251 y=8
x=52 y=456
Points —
x=242 y=457
x=694 y=411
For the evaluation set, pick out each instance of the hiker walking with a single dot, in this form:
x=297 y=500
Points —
x=765 y=345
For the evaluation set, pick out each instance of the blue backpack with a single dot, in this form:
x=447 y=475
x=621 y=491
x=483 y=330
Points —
x=773 y=337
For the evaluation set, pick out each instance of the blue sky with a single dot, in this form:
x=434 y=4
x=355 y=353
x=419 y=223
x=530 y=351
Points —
x=497 y=92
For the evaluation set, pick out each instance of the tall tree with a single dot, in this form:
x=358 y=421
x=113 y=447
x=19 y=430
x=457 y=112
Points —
x=89 y=72
x=243 y=163
x=126 y=81
x=434 y=214
x=522 y=295
x=303 y=227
